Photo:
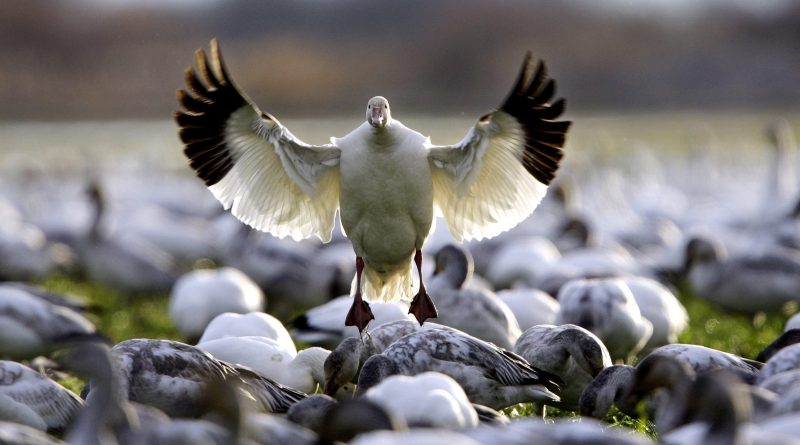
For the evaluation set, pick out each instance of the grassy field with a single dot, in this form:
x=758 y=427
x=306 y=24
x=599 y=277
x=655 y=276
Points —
x=121 y=318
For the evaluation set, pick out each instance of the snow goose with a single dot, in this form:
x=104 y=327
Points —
x=661 y=307
x=719 y=411
x=384 y=178
x=200 y=295
x=609 y=387
x=30 y=326
x=14 y=433
x=40 y=401
x=786 y=359
x=128 y=263
x=531 y=307
x=345 y=361
x=568 y=351
x=354 y=417
x=324 y=325
x=302 y=370
x=420 y=436
x=231 y=324
x=109 y=417
x=606 y=307
x=745 y=283
x=446 y=404
x=477 y=312
x=288 y=272
x=171 y=376
x=521 y=261
x=490 y=375
x=702 y=360
x=562 y=431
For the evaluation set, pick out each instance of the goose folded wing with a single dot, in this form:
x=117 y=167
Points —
x=252 y=164
x=497 y=175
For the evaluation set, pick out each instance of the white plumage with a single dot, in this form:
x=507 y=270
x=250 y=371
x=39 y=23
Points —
x=385 y=179
x=201 y=295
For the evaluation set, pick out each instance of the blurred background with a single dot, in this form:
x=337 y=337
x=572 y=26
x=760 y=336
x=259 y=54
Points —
x=118 y=59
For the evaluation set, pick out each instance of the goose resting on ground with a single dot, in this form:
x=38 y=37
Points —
x=384 y=178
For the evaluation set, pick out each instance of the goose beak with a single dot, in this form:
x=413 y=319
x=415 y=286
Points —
x=377 y=116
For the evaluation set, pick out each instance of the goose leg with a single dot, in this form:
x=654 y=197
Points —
x=360 y=314
x=421 y=306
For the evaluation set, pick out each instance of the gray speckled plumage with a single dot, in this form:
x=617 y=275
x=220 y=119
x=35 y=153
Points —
x=29 y=326
x=53 y=403
x=568 y=351
x=607 y=389
x=477 y=312
x=490 y=375
x=702 y=359
x=786 y=359
x=171 y=376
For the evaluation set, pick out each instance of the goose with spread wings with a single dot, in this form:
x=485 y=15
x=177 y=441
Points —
x=386 y=180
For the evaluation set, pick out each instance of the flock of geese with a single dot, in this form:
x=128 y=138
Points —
x=574 y=309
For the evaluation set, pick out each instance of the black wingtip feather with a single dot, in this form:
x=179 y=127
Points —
x=207 y=103
x=529 y=103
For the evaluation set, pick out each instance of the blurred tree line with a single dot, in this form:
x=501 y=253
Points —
x=90 y=59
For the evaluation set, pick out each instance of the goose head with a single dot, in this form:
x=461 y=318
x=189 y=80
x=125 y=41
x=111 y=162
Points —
x=378 y=114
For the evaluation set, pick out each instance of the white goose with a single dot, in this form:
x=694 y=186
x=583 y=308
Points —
x=446 y=404
x=200 y=295
x=384 y=178
x=231 y=324
x=301 y=370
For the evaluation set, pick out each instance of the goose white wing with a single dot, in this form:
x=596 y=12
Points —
x=252 y=164
x=497 y=175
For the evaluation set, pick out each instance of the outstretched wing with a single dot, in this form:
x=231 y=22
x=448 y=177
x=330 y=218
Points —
x=497 y=175
x=252 y=164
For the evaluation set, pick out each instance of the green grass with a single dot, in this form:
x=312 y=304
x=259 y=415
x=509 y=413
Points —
x=121 y=317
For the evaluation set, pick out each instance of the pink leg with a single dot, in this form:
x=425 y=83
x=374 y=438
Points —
x=421 y=306
x=360 y=314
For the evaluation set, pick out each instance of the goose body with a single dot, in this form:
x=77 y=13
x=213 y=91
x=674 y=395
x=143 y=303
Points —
x=384 y=178
x=37 y=399
x=446 y=404
x=200 y=295
x=260 y=324
x=568 y=351
x=30 y=325
x=606 y=307
x=170 y=375
x=490 y=375
x=478 y=312
x=299 y=370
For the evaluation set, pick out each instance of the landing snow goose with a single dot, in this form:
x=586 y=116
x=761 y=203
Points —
x=385 y=179
x=490 y=375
